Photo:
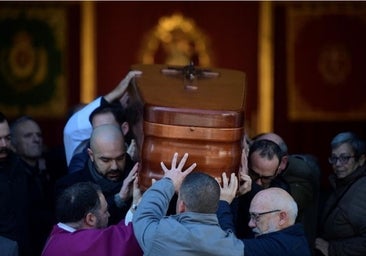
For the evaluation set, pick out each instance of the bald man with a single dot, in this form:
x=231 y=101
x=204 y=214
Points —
x=272 y=213
x=302 y=174
x=110 y=167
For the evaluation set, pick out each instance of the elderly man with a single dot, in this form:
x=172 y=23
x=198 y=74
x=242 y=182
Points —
x=263 y=166
x=302 y=173
x=272 y=218
x=14 y=221
x=109 y=166
x=27 y=142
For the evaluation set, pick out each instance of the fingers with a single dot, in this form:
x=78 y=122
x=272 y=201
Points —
x=224 y=180
x=190 y=169
x=133 y=173
x=182 y=161
x=244 y=162
x=246 y=184
x=136 y=182
x=180 y=166
x=229 y=187
x=233 y=182
x=134 y=73
x=165 y=169
x=174 y=160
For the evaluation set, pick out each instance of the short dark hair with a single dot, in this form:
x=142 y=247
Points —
x=77 y=201
x=266 y=148
x=200 y=192
x=2 y=117
x=115 y=109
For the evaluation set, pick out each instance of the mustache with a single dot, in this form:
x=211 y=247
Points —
x=4 y=150
x=115 y=171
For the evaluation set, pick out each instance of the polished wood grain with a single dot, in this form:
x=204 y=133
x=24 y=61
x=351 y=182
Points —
x=206 y=122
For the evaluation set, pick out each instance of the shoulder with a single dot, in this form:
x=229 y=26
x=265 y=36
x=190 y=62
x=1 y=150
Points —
x=301 y=165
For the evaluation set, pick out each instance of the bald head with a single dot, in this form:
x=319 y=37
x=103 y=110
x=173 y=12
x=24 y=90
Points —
x=105 y=134
x=107 y=151
x=275 y=199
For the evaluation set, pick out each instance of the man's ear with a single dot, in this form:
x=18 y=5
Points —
x=181 y=207
x=91 y=155
x=125 y=127
x=283 y=218
x=283 y=164
x=362 y=160
x=90 y=220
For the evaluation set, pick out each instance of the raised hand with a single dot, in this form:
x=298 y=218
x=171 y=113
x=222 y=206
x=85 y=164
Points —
x=228 y=189
x=175 y=173
x=126 y=189
x=245 y=183
x=121 y=88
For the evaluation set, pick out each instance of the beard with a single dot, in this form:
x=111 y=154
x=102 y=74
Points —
x=4 y=152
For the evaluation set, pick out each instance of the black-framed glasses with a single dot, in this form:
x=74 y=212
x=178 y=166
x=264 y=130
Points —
x=342 y=159
x=256 y=215
x=255 y=176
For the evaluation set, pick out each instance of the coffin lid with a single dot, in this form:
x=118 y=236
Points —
x=216 y=100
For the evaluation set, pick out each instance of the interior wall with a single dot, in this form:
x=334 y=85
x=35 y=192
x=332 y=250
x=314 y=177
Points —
x=311 y=136
x=232 y=29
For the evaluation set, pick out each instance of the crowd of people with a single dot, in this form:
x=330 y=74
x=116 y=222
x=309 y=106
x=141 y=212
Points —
x=270 y=206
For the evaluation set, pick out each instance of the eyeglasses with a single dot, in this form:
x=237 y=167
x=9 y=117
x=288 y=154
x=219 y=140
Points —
x=256 y=215
x=255 y=176
x=342 y=159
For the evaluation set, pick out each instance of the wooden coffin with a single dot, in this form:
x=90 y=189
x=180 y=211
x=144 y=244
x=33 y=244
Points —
x=201 y=113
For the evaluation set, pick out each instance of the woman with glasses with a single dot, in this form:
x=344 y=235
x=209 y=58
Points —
x=343 y=230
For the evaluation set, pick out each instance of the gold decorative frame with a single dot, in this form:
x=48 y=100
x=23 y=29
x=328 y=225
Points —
x=32 y=51
x=326 y=58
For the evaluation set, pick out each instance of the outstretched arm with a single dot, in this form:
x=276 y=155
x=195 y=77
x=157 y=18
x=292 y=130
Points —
x=155 y=202
x=78 y=127
x=228 y=190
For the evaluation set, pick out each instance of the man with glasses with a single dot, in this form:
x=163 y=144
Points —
x=263 y=167
x=302 y=173
x=264 y=162
x=272 y=216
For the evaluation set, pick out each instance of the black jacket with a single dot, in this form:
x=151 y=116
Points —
x=108 y=191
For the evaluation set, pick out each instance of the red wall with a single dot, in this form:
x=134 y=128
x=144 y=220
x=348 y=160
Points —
x=231 y=26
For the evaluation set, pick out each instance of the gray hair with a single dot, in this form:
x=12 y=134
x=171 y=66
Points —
x=358 y=145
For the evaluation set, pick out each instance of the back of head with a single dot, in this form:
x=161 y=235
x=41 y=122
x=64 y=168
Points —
x=266 y=149
x=277 y=199
x=275 y=138
x=76 y=201
x=2 y=118
x=357 y=144
x=200 y=193
x=115 y=109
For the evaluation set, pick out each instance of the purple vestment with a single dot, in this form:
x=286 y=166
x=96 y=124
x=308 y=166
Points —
x=116 y=240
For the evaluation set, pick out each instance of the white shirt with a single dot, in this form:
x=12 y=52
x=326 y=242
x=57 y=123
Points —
x=78 y=129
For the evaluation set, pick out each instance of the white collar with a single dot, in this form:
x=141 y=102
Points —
x=66 y=227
